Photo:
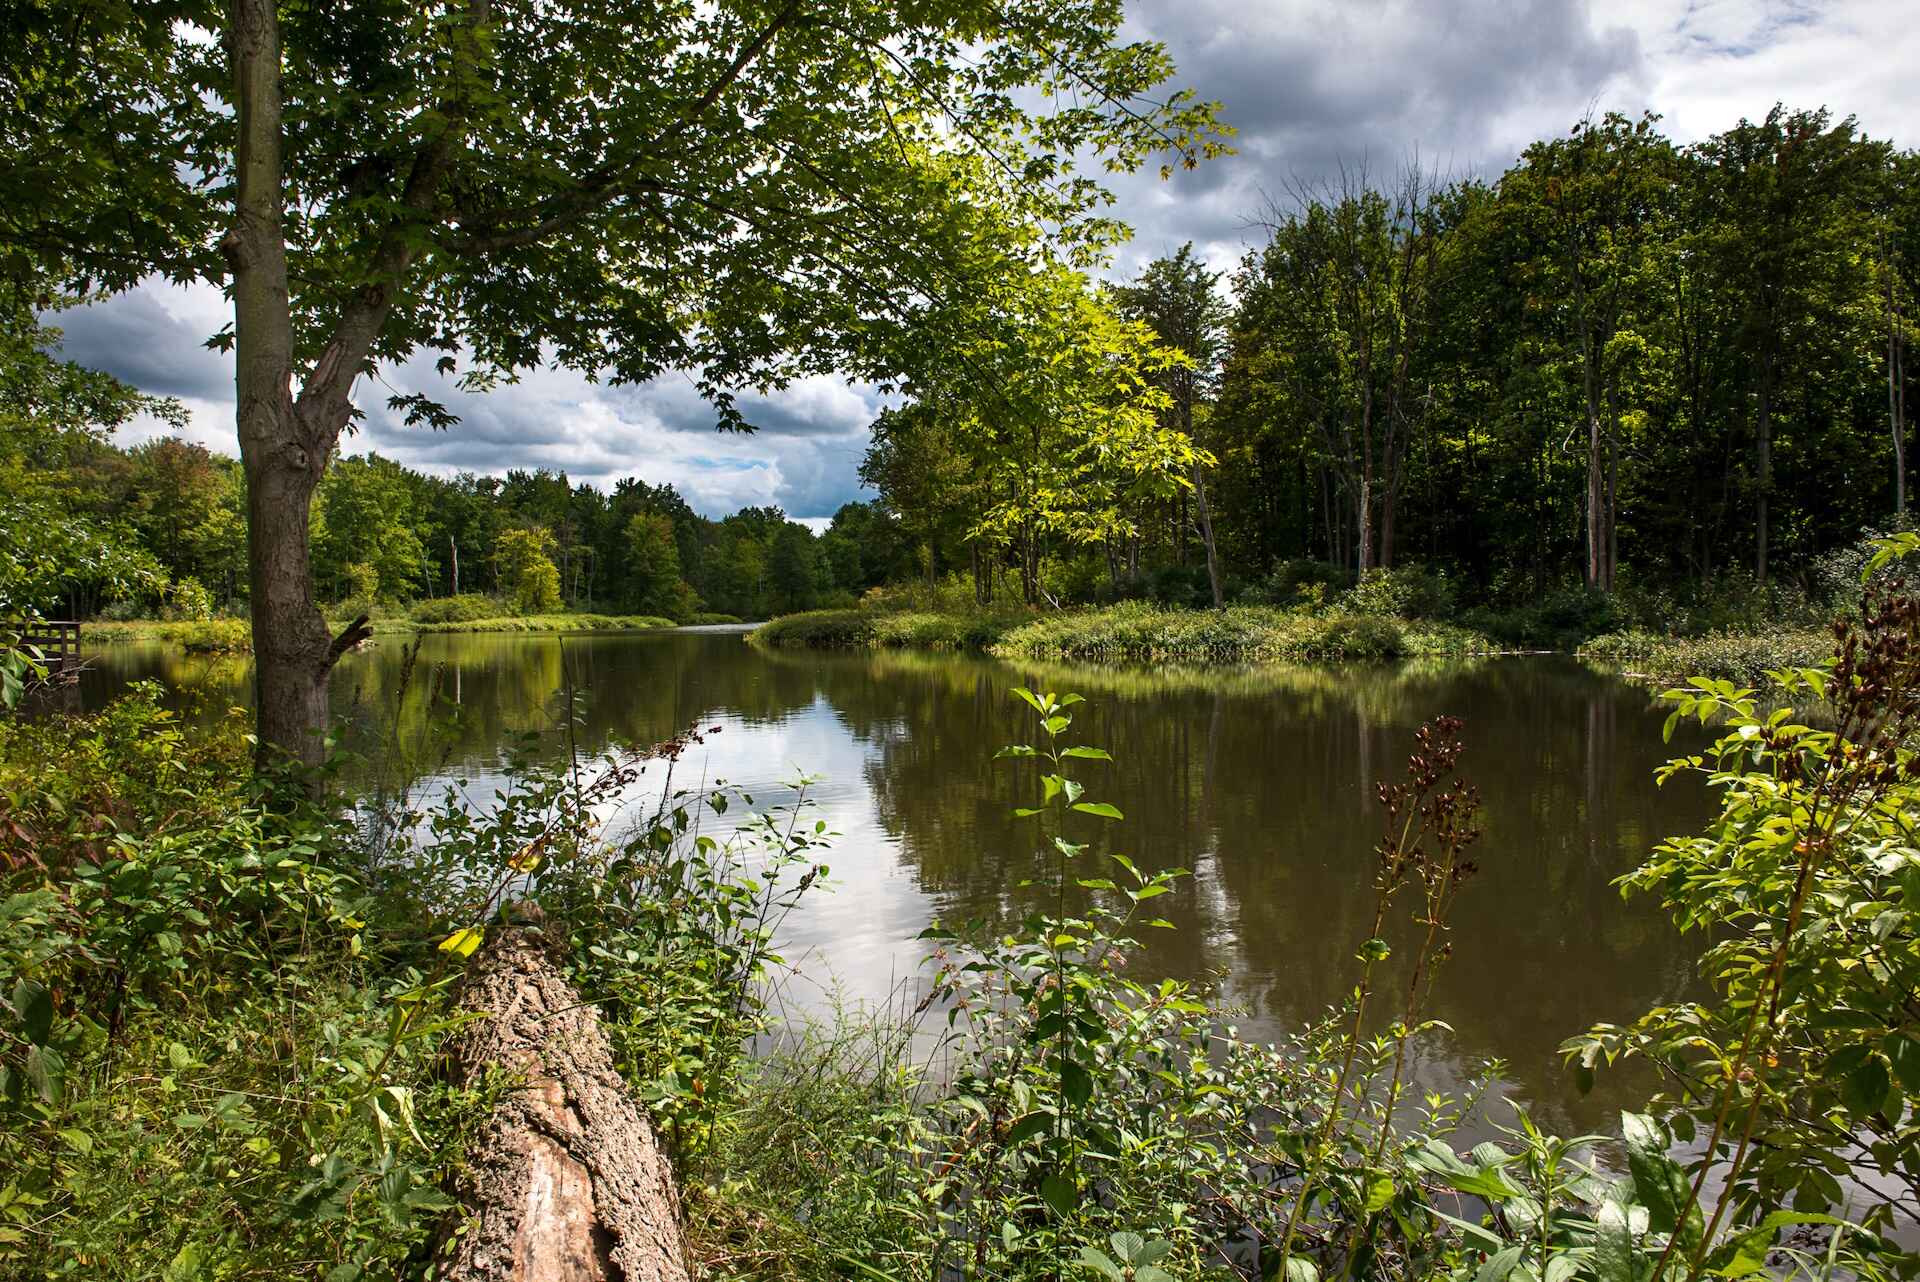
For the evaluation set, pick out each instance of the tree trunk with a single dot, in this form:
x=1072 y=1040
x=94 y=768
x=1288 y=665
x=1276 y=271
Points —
x=565 y=1181
x=282 y=459
x=1206 y=537
x=1763 y=474
x=1896 y=401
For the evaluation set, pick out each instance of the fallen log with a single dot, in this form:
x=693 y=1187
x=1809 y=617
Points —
x=565 y=1182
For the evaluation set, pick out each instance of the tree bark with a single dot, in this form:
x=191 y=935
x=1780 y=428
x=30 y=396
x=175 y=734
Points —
x=292 y=647
x=565 y=1181
x=1763 y=475
x=1206 y=537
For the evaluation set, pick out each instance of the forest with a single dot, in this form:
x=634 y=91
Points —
x=169 y=518
x=1624 y=361
x=1623 y=365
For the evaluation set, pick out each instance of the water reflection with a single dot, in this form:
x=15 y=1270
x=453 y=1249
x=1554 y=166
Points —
x=1260 y=781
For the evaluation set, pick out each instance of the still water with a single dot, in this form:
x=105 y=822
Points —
x=1261 y=782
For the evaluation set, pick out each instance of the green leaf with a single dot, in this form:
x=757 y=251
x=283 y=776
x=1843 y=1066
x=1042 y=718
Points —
x=1097 y=1260
x=463 y=942
x=1379 y=1193
x=1076 y=1083
x=1087 y=754
x=1904 y=1054
x=1057 y=1191
x=1499 y=1264
x=1127 y=1246
x=35 y=1006
x=1658 y=1181
x=1301 y=1269
x=46 y=1072
x=1865 y=1090
x=1613 y=1244
x=1032 y=699
x=1100 y=808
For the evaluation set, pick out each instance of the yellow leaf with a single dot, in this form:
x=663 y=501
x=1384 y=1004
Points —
x=462 y=942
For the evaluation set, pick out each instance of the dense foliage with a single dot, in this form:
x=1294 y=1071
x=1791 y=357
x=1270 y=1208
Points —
x=221 y=1007
x=1624 y=365
x=159 y=529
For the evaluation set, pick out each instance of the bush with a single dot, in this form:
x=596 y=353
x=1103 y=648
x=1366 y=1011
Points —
x=1406 y=592
x=1302 y=581
x=219 y=636
x=1558 y=619
x=1182 y=586
x=188 y=600
x=709 y=618
x=468 y=607
x=221 y=1015
x=1744 y=658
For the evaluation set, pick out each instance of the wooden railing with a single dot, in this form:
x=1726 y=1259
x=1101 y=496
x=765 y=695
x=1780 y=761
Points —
x=58 y=641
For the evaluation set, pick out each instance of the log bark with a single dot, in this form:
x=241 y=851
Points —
x=565 y=1182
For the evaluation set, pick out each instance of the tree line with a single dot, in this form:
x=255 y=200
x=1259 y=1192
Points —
x=167 y=520
x=1621 y=357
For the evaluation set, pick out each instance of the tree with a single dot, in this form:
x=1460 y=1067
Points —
x=926 y=484
x=1342 y=296
x=365 y=517
x=794 y=569
x=748 y=191
x=654 y=585
x=57 y=542
x=523 y=563
x=1180 y=299
x=1782 y=202
x=1597 y=203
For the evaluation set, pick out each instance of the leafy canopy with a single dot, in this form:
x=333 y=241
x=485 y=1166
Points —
x=749 y=191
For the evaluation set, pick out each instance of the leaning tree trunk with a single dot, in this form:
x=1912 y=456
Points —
x=565 y=1181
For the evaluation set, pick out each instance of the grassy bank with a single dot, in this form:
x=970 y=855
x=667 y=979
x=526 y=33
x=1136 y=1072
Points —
x=232 y=635
x=1744 y=658
x=1134 y=631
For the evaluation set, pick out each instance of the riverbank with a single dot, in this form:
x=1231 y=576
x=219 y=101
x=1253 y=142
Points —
x=1138 y=632
x=1743 y=658
x=1135 y=632
x=233 y=636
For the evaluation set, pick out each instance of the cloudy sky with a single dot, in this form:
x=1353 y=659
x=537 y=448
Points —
x=1311 y=85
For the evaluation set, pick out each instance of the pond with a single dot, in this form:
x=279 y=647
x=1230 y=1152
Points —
x=1260 y=781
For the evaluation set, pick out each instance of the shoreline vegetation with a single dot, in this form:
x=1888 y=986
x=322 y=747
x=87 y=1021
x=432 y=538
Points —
x=1131 y=632
x=231 y=636
x=1135 y=632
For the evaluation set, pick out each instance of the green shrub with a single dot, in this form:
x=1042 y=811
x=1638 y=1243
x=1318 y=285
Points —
x=222 y=1012
x=189 y=600
x=710 y=618
x=1406 y=592
x=1302 y=580
x=219 y=636
x=465 y=608
x=1744 y=658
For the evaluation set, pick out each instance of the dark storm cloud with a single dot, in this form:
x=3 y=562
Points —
x=137 y=339
x=1315 y=87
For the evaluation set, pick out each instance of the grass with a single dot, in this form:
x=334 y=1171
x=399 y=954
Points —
x=904 y=629
x=231 y=635
x=1740 y=657
x=1132 y=631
